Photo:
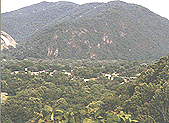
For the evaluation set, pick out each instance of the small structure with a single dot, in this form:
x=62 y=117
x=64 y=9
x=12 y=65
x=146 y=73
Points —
x=3 y=59
x=4 y=96
x=122 y=83
x=115 y=74
x=93 y=78
x=34 y=73
x=54 y=70
x=16 y=72
x=86 y=80
x=125 y=80
x=51 y=73
x=133 y=78
x=42 y=71
x=69 y=74
x=108 y=76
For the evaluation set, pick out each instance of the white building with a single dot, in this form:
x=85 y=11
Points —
x=34 y=73
x=108 y=76
x=86 y=80
x=115 y=74
x=16 y=72
x=42 y=71
x=69 y=74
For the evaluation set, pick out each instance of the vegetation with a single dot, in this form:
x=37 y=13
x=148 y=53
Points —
x=23 y=23
x=114 y=30
x=86 y=63
x=58 y=97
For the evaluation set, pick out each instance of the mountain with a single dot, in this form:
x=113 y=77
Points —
x=24 y=22
x=6 y=41
x=113 y=30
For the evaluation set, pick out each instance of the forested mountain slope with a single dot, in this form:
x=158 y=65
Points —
x=113 y=30
x=122 y=32
x=23 y=23
x=29 y=19
x=149 y=95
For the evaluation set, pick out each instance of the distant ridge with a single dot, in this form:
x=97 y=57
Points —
x=24 y=22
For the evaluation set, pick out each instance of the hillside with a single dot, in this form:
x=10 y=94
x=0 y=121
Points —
x=124 y=31
x=149 y=95
x=21 y=24
x=113 y=30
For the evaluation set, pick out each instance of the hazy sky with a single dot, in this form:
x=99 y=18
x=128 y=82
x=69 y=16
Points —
x=160 y=7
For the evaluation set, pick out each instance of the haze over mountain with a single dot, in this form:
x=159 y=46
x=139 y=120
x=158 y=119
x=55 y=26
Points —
x=114 y=30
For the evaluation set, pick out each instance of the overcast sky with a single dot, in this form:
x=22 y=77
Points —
x=160 y=7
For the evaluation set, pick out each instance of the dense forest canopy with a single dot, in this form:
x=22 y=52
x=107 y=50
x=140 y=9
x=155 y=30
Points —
x=61 y=97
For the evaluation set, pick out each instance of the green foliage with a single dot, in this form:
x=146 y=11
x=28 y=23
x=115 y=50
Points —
x=114 y=30
x=58 y=97
x=89 y=33
x=149 y=102
x=119 y=79
x=89 y=115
